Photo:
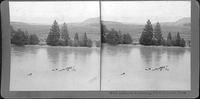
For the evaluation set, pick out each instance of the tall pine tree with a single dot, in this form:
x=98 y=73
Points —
x=178 y=39
x=54 y=35
x=85 y=39
x=65 y=34
x=76 y=40
x=158 y=34
x=169 y=39
x=147 y=34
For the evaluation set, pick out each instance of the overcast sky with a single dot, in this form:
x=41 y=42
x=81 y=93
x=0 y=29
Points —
x=122 y=11
x=140 y=11
x=46 y=12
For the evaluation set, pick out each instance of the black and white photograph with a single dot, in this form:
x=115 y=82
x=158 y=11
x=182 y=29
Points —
x=146 y=45
x=55 y=45
x=99 y=48
x=100 y=45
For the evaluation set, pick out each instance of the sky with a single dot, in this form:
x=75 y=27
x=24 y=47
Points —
x=45 y=12
x=140 y=11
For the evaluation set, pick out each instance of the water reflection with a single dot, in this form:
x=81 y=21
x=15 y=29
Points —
x=158 y=55
x=23 y=50
x=44 y=61
x=134 y=61
x=81 y=53
x=53 y=56
x=146 y=55
x=154 y=55
x=62 y=57
x=32 y=50
x=113 y=50
x=174 y=54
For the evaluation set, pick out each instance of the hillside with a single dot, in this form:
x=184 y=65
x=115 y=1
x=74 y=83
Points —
x=181 y=25
x=92 y=27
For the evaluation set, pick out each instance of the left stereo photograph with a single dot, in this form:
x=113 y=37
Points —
x=55 y=45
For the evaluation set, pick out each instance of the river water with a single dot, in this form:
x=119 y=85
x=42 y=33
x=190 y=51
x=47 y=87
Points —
x=123 y=67
x=34 y=68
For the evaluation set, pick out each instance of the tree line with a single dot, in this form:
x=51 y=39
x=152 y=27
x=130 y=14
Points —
x=21 y=38
x=149 y=36
x=60 y=37
x=56 y=37
x=154 y=36
x=114 y=37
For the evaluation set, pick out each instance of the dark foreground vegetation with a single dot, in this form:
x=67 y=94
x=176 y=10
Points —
x=56 y=37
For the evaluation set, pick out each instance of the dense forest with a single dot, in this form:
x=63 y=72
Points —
x=60 y=37
x=152 y=36
x=114 y=37
x=56 y=37
x=21 y=38
x=149 y=36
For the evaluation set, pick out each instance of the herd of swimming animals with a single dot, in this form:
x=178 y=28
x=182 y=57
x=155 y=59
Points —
x=56 y=69
x=73 y=69
x=158 y=68
x=152 y=69
x=66 y=68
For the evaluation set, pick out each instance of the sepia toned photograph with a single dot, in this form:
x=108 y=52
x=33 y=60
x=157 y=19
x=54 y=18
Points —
x=146 y=45
x=55 y=45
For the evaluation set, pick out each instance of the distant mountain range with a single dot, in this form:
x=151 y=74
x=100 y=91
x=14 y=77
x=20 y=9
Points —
x=182 y=25
x=186 y=21
x=92 y=27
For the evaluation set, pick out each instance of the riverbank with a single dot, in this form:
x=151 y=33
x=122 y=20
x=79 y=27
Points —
x=12 y=45
x=161 y=46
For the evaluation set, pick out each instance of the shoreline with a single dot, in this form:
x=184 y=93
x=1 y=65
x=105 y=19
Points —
x=12 y=45
x=144 y=45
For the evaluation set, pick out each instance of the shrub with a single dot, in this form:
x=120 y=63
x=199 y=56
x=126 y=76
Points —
x=19 y=38
x=127 y=39
x=33 y=39
x=89 y=43
x=112 y=37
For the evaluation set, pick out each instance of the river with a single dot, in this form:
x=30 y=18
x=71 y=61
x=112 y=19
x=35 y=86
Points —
x=124 y=68
x=40 y=68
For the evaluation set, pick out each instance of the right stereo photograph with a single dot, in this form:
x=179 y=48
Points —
x=146 y=45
